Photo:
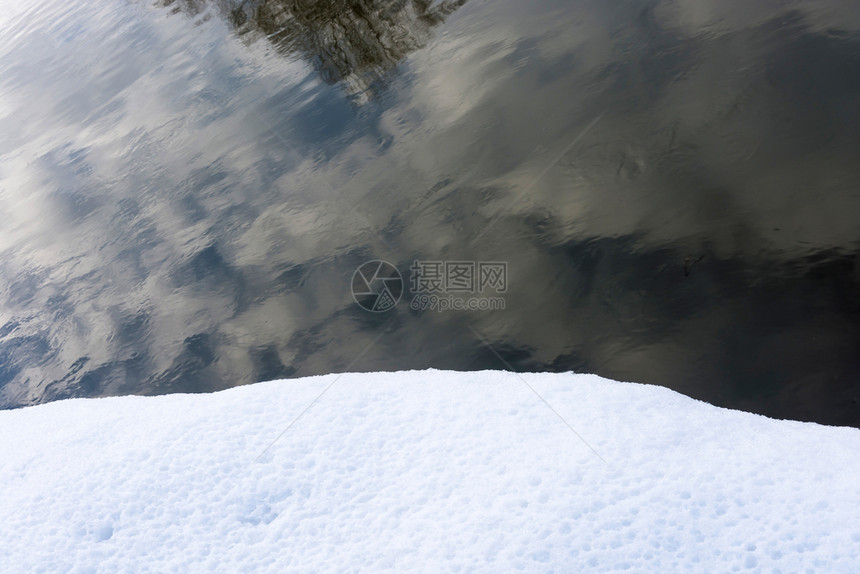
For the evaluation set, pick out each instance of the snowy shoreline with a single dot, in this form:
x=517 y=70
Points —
x=424 y=471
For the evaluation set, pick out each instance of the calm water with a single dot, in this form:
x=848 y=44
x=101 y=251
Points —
x=187 y=188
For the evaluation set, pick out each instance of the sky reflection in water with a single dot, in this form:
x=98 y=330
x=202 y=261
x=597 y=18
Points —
x=186 y=190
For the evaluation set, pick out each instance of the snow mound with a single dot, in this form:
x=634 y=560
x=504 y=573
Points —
x=428 y=471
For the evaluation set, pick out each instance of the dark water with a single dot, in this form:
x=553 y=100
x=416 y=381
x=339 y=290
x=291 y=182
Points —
x=187 y=188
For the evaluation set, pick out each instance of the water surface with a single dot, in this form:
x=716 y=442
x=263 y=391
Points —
x=187 y=188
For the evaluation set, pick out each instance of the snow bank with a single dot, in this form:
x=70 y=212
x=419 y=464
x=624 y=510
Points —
x=424 y=472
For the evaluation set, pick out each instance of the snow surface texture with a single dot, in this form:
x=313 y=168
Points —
x=427 y=471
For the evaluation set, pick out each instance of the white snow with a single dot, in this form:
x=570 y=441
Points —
x=428 y=471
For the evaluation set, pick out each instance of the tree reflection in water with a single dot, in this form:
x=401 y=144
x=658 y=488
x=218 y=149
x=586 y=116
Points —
x=354 y=42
